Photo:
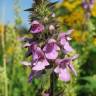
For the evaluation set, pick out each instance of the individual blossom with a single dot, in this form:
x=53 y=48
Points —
x=64 y=41
x=63 y=66
x=36 y=27
x=39 y=62
x=88 y=6
x=51 y=49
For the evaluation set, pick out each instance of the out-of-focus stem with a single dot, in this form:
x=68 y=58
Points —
x=3 y=52
x=4 y=60
x=53 y=81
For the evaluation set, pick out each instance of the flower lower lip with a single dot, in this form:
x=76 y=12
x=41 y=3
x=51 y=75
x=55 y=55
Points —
x=35 y=26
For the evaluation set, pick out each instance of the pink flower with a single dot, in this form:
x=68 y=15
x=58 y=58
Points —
x=36 y=27
x=40 y=65
x=39 y=61
x=51 y=49
x=62 y=68
x=63 y=74
x=64 y=41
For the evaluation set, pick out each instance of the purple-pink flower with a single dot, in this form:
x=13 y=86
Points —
x=36 y=27
x=48 y=48
x=64 y=41
x=39 y=61
x=87 y=5
x=63 y=66
x=63 y=73
x=51 y=49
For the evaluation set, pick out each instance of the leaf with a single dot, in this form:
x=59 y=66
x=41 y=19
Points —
x=29 y=9
x=91 y=82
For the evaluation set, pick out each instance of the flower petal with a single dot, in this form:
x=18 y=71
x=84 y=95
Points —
x=57 y=69
x=72 y=69
x=75 y=57
x=52 y=55
x=67 y=47
x=64 y=75
x=56 y=47
x=40 y=65
x=69 y=32
x=27 y=45
x=26 y=63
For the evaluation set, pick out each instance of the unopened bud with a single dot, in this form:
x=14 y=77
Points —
x=51 y=27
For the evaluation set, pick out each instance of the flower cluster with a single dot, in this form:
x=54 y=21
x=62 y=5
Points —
x=88 y=5
x=47 y=55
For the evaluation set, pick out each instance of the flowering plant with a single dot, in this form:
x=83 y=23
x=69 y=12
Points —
x=48 y=46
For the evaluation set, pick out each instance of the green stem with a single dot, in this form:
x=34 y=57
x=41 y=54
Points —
x=4 y=62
